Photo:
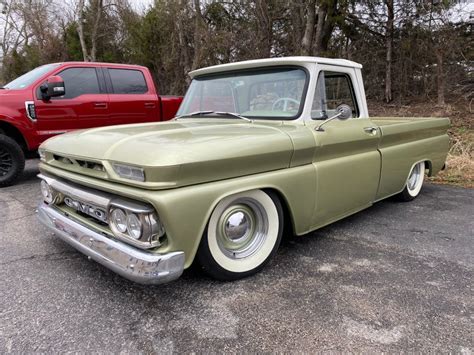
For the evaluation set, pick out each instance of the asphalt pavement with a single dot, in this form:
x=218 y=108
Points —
x=396 y=277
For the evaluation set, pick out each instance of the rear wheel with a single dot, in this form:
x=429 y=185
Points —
x=414 y=183
x=242 y=235
x=12 y=161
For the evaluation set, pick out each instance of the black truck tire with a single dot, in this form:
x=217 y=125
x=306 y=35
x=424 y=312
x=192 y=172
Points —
x=12 y=161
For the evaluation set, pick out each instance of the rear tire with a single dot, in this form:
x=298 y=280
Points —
x=242 y=235
x=12 y=161
x=414 y=183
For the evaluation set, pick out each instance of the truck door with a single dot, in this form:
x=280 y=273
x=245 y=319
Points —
x=84 y=105
x=131 y=99
x=346 y=158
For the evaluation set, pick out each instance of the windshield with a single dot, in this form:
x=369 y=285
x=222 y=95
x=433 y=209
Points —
x=29 y=78
x=276 y=93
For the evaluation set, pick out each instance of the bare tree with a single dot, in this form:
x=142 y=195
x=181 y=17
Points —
x=99 y=7
x=388 y=50
x=80 y=28
x=307 y=40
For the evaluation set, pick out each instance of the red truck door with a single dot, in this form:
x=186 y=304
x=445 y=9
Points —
x=132 y=98
x=84 y=105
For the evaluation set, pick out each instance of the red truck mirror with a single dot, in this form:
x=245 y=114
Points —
x=53 y=87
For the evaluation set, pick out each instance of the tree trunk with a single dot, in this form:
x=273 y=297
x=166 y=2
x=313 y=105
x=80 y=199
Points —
x=265 y=28
x=183 y=45
x=318 y=41
x=307 y=41
x=440 y=78
x=80 y=29
x=95 y=29
x=333 y=11
x=198 y=35
x=389 y=50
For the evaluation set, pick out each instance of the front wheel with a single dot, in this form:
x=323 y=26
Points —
x=12 y=161
x=243 y=233
x=414 y=183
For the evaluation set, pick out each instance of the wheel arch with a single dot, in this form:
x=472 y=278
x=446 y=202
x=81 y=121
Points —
x=288 y=219
x=429 y=167
x=14 y=133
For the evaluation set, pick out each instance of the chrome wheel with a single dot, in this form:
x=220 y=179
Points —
x=242 y=228
x=243 y=232
x=415 y=179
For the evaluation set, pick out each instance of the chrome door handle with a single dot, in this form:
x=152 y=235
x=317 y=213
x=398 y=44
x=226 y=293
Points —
x=100 y=104
x=371 y=130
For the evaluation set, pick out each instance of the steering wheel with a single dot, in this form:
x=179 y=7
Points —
x=285 y=101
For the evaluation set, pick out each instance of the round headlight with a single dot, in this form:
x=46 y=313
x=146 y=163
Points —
x=134 y=226
x=47 y=192
x=119 y=220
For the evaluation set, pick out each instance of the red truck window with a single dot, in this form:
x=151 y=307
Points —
x=79 y=81
x=127 y=81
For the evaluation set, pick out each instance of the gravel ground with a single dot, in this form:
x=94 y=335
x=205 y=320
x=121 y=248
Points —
x=396 y=277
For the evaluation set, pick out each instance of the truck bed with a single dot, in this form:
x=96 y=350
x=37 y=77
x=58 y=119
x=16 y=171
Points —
x=412 y=137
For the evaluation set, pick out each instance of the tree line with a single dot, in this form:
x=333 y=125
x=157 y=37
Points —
x=409 y=48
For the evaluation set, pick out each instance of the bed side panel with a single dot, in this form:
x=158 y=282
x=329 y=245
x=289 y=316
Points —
x=405 y=143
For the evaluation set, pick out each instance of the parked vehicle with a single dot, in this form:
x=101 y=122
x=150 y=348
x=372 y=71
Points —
x=61 y=97
x=258 y=146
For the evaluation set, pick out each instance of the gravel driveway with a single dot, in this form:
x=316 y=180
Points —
x=396 y=277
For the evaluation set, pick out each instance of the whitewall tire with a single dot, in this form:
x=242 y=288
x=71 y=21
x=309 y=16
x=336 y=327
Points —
x=414 y=182
x=243 y=233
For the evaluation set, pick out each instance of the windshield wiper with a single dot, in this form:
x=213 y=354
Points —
x=233 y=114
x=196 y=113
x=199 y=113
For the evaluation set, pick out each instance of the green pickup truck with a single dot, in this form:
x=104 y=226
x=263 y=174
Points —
x=258 y=148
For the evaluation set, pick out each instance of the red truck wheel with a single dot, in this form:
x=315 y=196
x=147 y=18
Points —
x=12 y=161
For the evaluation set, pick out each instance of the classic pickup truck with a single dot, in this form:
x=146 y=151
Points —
x=61 y=97
x=258 y=148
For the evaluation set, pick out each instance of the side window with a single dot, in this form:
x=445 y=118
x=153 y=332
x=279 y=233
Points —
x=127 y=81
x=332 y=90
x=79 y=81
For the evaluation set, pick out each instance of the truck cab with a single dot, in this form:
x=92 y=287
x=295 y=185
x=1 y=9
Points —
x=95 y=95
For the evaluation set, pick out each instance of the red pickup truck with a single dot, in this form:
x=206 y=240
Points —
x=60 y=97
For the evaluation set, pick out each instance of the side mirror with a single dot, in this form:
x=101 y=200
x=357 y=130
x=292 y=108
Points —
x=344 y=112
x=53 y=87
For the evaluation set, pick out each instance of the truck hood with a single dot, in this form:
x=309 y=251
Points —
x=177 y=153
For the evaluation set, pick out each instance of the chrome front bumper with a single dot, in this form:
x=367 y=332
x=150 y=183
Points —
x=134 y=264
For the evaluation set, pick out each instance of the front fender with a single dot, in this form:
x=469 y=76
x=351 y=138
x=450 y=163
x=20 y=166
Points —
x=185 y=211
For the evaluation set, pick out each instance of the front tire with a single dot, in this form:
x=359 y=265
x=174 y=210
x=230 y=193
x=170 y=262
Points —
x=414 y=183
x=12 y=161
x=242 y=235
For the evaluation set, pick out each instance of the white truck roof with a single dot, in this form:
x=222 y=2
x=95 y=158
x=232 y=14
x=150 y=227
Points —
x=272 y=62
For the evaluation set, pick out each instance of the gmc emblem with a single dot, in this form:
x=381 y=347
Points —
x=85 y=208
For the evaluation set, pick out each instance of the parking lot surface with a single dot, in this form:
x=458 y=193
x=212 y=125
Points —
x=395 y=277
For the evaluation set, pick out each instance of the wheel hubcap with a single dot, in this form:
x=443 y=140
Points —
x=414 y=177
x=242 y=229
x=6 y=162
x=237 y=226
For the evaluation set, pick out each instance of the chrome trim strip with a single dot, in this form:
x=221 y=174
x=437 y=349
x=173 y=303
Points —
x=95 y=197
x=133 y=264
x=28 y=111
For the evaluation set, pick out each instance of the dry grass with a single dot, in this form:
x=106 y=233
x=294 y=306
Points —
x=460 y=161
